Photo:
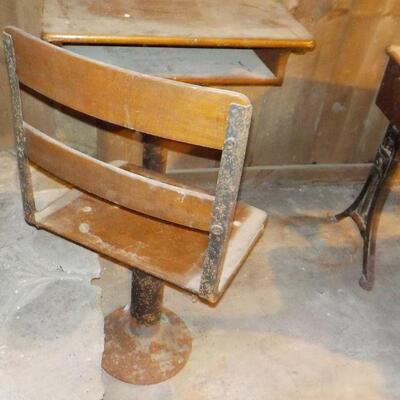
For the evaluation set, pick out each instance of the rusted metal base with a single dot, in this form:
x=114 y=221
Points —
x=364 y=211
x=145 y=355
x=144 y=342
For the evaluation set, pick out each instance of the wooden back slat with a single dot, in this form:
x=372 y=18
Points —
x=156 y=106
x=154 y=197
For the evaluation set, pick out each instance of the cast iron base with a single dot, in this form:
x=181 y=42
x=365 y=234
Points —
x=363 y=211
x=143 y=355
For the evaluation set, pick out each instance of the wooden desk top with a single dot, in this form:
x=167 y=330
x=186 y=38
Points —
x=190 y=23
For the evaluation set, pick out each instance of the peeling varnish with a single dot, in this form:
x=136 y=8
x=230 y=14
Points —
x=111 y=249
x=58 y=204
x=243 y=237
x=84 y=228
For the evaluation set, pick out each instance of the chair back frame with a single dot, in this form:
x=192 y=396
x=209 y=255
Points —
x=227 y=188
x=24 y=173
x=228 y=183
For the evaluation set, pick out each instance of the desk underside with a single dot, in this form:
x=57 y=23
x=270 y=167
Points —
x=198 y=66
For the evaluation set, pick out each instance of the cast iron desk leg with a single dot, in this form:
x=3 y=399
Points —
x=362 y=211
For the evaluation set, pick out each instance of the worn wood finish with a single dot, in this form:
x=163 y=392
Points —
x=192 y=23
x=131 y=189
x=115 y=143
x=167 y=251
x=158 y=211
x=135 y=101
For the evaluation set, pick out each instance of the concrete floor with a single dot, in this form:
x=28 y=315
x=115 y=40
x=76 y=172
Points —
x=51 y=325
x=294 y=324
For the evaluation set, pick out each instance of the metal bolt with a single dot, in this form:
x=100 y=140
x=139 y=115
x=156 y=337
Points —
x=230 y=143
x=217 y=230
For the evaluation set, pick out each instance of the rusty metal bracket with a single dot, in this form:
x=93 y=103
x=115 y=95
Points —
x=23 y=165
x=362 y=211
x=227 y=189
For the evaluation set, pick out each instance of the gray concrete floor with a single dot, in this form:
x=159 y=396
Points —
x=294 y=324
x=51 y=324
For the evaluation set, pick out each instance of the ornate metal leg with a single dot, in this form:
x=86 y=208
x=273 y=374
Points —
x=362 y=211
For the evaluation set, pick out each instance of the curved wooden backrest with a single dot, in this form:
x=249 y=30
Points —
x=156 y=106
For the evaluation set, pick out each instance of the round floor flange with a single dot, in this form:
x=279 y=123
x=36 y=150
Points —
x=141 y=355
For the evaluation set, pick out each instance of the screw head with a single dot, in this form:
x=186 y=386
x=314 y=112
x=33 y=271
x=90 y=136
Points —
x=230 y=143
x=217 y=230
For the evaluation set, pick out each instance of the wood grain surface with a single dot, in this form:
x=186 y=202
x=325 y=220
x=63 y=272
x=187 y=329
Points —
x=160 y=107
x=205 y=23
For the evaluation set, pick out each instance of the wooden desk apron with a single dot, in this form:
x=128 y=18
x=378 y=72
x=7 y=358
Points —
x=205 y=42
x=261 y=32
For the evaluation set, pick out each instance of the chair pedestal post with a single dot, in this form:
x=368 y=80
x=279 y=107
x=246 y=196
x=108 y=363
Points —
x=145 y=343
x=146 y=298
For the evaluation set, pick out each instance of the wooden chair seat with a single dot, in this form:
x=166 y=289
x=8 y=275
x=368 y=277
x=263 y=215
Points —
x=149 y=222
x=168 y=251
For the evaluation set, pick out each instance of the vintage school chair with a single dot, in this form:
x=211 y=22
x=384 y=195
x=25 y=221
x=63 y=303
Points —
x=363 y=209
x=164 y=231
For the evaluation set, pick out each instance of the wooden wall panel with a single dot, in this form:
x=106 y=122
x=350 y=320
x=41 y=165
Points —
x=26 y=14
x=323 y=113
x=56 y=121
x=8 y=14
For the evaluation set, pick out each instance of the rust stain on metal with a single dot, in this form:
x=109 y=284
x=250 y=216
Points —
x=147 y=298
x=143 y=355
x=23 y=165
x=229 y=177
